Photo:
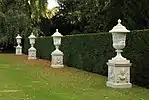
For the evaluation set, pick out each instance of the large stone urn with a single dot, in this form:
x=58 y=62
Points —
x=119 y=67
x=32 y=49
x=18 y=47
x=57 y=55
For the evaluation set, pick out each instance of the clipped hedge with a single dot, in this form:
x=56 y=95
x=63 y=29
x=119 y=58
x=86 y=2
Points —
x=44 y=47
x=90 y=52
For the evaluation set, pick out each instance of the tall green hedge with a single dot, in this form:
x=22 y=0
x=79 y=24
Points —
x=44 y=47
x=90 y=52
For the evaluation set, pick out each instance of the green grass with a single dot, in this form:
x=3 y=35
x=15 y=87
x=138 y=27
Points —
x=22 y=79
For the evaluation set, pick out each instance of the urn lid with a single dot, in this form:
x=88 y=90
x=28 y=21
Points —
x=119 y=28
x=32 y=36
x=18 y=37
x=57 y=34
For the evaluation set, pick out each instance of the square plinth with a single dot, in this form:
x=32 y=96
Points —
x=119 y=74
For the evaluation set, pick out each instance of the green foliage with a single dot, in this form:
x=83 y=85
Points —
x=21 y=17
x=86 y=52
x=137 y=51
x=41 y=53
x=83 y=15
x=88 y=16
x=91 y=52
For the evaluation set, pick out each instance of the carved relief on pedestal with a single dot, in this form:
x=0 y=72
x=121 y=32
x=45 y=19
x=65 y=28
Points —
x=59 y=60
x=32 y=53
x=18 y=50
x=122 y=76
x=111 y=74
x=53 y=60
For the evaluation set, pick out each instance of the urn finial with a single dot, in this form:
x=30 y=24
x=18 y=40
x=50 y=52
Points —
x=119 y=21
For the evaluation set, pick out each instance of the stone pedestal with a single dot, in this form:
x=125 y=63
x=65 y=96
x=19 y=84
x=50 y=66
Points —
x=57 y=59
x=19 y=50
x=119 y=73
x=32 y=53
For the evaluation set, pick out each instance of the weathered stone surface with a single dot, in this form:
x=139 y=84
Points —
x=57 y=59
x=119 y=74
x=32 y=50
x=19 y=50
x=32 y=53
x=57 y=55
x=119 y=67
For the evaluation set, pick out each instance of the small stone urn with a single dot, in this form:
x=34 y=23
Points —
x=19 y=47
x=119 y=67
x=32 y=50
x=57 y=55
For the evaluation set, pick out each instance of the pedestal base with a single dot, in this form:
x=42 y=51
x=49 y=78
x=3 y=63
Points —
x=57 y=59
x=18 y=50
x=32 y=53
x=18 y=54
x=57 y=66
x=29 y=58
x=119 y=73
x=118 y=85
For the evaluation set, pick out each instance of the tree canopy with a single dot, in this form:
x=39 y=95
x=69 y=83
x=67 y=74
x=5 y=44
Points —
x=72 y=17
x=89 y=16
x=21 y=17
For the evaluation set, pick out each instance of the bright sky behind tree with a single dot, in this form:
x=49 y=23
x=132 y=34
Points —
x=52 y=4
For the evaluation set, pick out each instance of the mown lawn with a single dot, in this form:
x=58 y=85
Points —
x=22 y=79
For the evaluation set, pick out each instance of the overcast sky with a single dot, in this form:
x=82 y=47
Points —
x=52 y=4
